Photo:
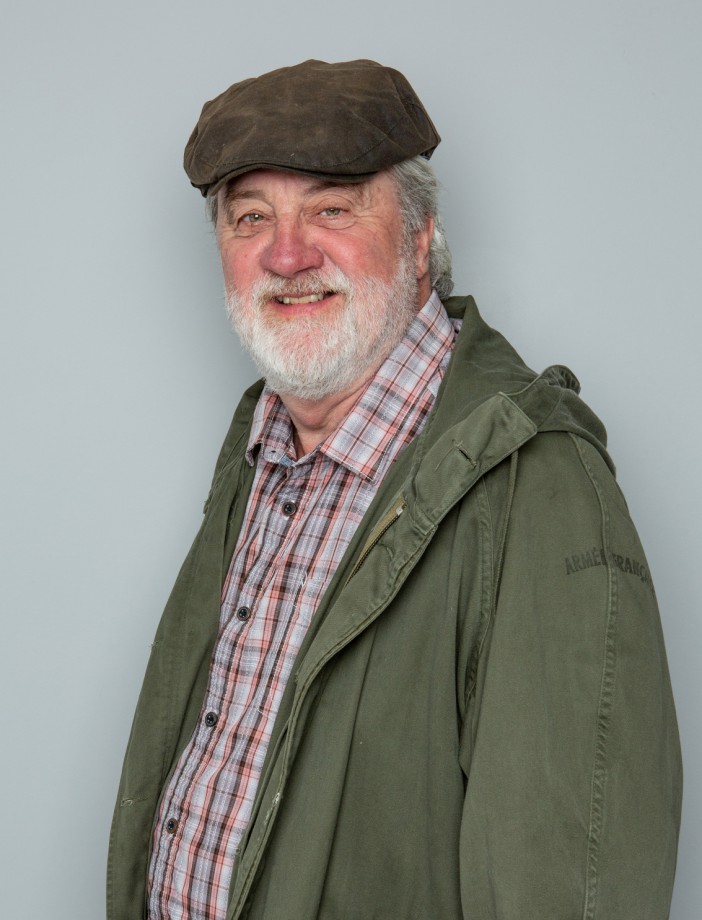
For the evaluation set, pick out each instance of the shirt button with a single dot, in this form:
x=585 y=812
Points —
x=289 y=508
x=244 y=613
x=171 y=826
x=211 y=719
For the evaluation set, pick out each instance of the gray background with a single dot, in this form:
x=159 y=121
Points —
x=571 y=159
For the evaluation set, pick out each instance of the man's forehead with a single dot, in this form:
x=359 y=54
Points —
x=261 y=183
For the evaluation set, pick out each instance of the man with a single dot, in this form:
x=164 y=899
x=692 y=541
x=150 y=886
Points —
x=412 y=666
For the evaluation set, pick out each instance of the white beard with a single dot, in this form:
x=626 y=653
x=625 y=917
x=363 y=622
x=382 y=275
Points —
x=313 y=356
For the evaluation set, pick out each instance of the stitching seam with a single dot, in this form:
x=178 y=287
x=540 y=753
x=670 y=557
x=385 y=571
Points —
x=604 y=709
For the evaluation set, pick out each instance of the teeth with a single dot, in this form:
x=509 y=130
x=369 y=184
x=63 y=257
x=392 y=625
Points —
x=311 y=298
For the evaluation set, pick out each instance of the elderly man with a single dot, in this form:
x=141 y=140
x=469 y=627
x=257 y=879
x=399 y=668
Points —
x=412 y=666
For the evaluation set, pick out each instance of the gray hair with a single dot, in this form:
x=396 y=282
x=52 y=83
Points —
x=418 y=191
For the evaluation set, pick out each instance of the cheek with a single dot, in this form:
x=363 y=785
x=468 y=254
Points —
x=376 y=258
x=385 y=253
x=239 y=266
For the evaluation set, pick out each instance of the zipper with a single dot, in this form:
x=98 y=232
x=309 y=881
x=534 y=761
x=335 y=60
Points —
x=383 y=525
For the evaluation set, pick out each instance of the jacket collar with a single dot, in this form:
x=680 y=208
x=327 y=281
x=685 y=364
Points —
x=489 y=404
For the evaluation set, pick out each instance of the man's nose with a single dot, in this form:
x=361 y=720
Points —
x=291 y=250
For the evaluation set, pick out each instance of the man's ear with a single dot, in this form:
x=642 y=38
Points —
x=422 y=246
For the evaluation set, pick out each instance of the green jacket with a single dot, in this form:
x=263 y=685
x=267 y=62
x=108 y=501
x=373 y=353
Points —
x=480 y=723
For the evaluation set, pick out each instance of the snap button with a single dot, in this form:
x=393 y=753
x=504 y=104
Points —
x=211 y=719
x=244 y=613
x=289 y=508
x=171 y=826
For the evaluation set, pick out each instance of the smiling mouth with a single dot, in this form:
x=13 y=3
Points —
x=309 y=298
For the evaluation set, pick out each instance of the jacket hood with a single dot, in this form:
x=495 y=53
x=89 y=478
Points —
x=491 y=370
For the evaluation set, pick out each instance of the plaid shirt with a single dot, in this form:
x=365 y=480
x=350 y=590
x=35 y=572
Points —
x=299 y=520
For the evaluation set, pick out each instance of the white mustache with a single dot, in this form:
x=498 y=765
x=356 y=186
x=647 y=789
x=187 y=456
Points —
x=313 y=283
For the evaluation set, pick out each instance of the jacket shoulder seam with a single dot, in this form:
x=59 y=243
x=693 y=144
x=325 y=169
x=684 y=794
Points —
x=605 y=703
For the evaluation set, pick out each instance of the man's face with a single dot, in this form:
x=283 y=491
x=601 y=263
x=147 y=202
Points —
x=320 y=279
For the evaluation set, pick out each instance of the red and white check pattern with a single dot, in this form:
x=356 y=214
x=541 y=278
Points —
x=300 y=518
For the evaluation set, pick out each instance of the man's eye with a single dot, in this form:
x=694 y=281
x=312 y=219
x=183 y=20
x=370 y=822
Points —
x=331 y=212
x=253 y=218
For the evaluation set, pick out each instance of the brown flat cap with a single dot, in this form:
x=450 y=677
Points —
x=336 y=121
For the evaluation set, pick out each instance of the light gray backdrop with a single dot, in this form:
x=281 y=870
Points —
x=571 y=159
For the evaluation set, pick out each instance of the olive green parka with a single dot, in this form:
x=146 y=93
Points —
x=480 y=724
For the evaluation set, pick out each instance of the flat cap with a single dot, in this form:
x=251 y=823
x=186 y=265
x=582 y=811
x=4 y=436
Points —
x=341 y=121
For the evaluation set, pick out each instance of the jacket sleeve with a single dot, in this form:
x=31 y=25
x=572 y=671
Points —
x=570 y=747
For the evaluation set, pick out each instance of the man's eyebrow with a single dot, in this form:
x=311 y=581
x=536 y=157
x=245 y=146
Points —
x=323 y=185
x=238 y=195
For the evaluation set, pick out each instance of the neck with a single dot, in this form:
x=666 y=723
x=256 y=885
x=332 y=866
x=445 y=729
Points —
x=314 y=420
